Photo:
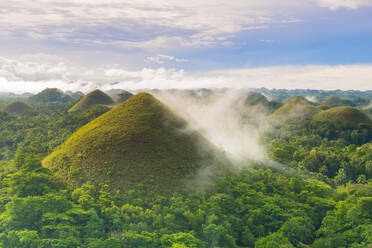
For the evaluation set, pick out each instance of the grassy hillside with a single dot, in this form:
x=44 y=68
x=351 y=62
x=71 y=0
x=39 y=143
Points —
x=255 y=98
x=343 y=114
x=122 y=97
x=336 y=101
x=295 y=108
x=18 y=107
x=139 y=142
x=94 y=97
x=323 y=107
x=258 y=104
x=50 y=95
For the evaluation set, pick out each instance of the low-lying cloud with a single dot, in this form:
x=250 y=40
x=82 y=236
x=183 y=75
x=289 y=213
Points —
x=33 y=76
x=218 y=117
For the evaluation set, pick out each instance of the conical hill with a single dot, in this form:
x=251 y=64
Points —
x=94 y=97
x=344 y=114
x=296 y=108
x=122 y=97
x=17 y=107
x=140 y=142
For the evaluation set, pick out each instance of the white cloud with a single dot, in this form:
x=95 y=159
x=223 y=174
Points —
x=157 y=24
x=162 y=58
x=29 y=74
x=351 y=4
x=151 y=25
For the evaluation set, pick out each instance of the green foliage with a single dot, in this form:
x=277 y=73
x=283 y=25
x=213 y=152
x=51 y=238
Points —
x=320 y=197
x=275 y=240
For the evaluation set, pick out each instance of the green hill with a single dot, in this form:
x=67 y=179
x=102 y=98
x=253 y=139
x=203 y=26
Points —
x=94 y=97
x=50 y=95
x=336 y=101
x=17 y=107
x=323 y=107
x=344 y=114
x=257 y=103
x=138 y=142
x=255 y=98
x=75 y=95
x=368 y=111
x=296 y=108
x=122 y=97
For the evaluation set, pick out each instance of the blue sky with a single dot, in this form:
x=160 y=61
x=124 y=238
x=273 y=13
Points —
x=81 y=44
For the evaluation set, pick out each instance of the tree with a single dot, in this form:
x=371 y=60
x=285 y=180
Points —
x=213 y=233
x=274 y=240
x=186 y=239
x=298 y=229
x=20 y=239
x=340 y=178
x=95 y=226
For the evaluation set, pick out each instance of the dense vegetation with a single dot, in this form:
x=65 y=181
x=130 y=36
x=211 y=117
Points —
x=320 y=197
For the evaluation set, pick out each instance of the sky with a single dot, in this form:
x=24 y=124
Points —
x=85 y=44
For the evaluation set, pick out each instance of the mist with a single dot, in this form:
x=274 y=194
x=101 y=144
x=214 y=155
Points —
x=218 y=117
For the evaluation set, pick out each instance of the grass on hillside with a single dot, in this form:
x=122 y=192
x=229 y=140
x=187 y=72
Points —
x=94 y=97
x=294 y=108
x=344 y=114
x=18 y=107
x=139 y=142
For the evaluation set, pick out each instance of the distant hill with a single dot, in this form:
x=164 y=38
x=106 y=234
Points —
x=122 y=97
x=323 y=107
x=336 y=101
x=17 y=107
x=255 y=98
x=75 y=95
x=255 y=101
x=344 y=114
x=368 y=111
x=50 y=95
x=94 y=97
x=294 y=109
x=140 y=141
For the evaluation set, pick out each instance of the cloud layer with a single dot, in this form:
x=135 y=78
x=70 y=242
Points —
x=31 y=75
x=351 y=4
x=148 y=24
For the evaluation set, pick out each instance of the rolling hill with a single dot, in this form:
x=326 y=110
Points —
x=94 y=97
x=336 y=101
x=255 y=98
x=50 y=95
x=17 y=107
x=256 y=103
x=140 y=141
x=344 y=114
x=122 y=97
x=296 y=108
